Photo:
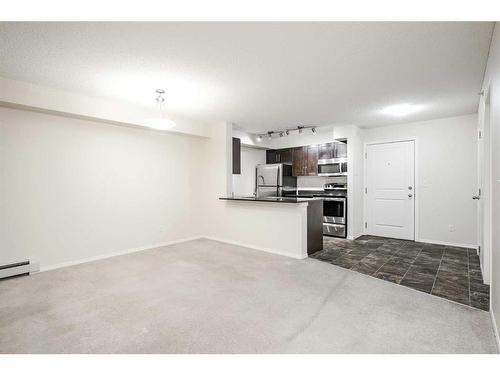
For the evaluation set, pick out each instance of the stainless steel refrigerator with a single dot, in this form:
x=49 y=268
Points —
x=274 y=180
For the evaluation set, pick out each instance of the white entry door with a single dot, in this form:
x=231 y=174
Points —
x=390 y=190
x=483 y=195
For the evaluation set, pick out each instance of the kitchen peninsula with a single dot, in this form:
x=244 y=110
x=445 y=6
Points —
x=308 y=210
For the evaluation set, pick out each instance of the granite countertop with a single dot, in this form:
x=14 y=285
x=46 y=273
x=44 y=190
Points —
x=270 y=199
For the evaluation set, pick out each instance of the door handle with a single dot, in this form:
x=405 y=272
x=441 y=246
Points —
x=476 y=197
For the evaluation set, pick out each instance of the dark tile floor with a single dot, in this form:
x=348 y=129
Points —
x=449 y=272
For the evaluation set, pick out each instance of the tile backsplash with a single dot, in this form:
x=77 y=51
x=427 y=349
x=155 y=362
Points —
x=311 y=182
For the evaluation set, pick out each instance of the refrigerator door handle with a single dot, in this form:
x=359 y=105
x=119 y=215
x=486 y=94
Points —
x=278 y=175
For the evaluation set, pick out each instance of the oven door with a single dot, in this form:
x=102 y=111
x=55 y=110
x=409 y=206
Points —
x=334 y=210
x=337 y=230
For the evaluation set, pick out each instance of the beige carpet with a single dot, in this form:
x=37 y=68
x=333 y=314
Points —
x=209 y=297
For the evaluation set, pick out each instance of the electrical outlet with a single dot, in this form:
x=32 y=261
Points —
x=451 y=228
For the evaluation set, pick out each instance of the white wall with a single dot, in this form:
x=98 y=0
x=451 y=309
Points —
x=492 y=84
x=244 y=183
x=25 y=95
x=273 y=227
x=446 y=175
x=73 y=189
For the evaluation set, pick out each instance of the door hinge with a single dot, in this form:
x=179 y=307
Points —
x=480 y=134
x=366 y=225
x=366 y=190
x=366 y=155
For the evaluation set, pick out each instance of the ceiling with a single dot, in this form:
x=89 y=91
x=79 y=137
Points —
x=260 y=76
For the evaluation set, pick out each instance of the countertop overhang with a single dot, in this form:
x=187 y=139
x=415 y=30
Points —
x=270 y=199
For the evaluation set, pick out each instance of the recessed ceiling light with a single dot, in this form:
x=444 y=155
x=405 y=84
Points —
x=401 y=110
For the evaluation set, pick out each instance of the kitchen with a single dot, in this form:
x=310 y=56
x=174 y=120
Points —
x=318 y=163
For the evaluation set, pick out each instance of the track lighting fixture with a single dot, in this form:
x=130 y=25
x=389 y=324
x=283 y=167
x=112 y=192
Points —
x=282 y=133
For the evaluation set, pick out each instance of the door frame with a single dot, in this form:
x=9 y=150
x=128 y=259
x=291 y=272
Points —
x=486 y=264
x=416 y=192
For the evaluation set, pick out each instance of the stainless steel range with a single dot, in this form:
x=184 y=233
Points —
x=335 y=209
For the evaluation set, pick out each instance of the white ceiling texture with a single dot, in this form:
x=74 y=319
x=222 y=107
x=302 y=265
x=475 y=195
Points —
x=261 y=76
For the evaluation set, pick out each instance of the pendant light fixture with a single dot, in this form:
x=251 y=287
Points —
x=161 y=122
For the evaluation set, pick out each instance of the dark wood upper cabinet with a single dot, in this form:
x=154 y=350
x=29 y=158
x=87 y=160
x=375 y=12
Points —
x=326 y=151
x=271 y=157
x=236 y=156
x=312 y=160
x=340 y=150
x=286 y=156
x=299 y=161
x=304 y=159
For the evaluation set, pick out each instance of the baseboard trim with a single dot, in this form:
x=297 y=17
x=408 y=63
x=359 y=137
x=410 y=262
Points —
x=358 y=235
x=445 y=243
x=149 y=247
x=253 y=247
x=495 y=328
x=114 y=254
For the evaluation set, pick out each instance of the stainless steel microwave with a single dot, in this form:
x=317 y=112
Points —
x=332 y=167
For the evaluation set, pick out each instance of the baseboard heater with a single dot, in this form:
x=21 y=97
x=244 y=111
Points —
x=14 y=269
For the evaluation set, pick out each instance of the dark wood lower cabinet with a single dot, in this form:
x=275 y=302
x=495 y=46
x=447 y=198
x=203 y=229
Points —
x=314 y=226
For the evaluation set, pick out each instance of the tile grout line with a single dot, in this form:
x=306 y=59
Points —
x=413 y=261
x=391 y=257
x=435 y=277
